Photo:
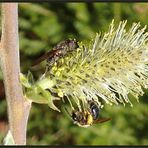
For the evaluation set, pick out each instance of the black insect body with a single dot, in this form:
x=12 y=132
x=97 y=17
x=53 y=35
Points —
x=60 y=50
x=88 y=116
x=94 y=109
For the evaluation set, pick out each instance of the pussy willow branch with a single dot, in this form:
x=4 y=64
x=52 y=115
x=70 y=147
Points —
x=18 y=108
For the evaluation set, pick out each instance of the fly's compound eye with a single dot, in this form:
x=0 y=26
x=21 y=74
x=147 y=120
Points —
x=72 y=44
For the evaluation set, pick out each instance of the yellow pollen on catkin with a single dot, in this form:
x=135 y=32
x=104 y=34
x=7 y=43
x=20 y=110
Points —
x=109 y=67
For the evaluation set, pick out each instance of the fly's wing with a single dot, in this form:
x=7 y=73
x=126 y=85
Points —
x=45 y=56
x=101 y=120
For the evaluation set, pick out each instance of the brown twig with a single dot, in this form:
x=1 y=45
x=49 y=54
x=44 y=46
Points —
x=18 y=108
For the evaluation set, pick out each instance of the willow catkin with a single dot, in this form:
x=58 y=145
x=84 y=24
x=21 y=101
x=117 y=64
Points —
x=111 y=67
x=106 y=69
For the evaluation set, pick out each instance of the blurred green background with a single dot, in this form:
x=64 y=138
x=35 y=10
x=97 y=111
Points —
x=41 y=26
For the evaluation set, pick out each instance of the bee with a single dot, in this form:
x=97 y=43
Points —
x=88 y=117
x=60 y=50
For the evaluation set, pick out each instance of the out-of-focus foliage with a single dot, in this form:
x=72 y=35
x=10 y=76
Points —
x=43 y=25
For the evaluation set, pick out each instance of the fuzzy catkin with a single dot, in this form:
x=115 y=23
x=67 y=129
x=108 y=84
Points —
x=108 y=69
x=112 y=66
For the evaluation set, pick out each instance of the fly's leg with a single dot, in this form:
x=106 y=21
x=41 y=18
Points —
x=48 y=66
x=46 y=70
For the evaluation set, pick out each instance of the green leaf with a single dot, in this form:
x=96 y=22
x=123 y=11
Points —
x=42 y=96
x=30 y=77
x=8 y=140
x=36 y=98
x=48 y=96
x=24 y=81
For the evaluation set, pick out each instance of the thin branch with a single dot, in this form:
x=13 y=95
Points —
x=18 y=108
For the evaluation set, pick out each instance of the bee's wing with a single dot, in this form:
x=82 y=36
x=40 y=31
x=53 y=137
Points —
x=44 y=57
x=101 y=120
